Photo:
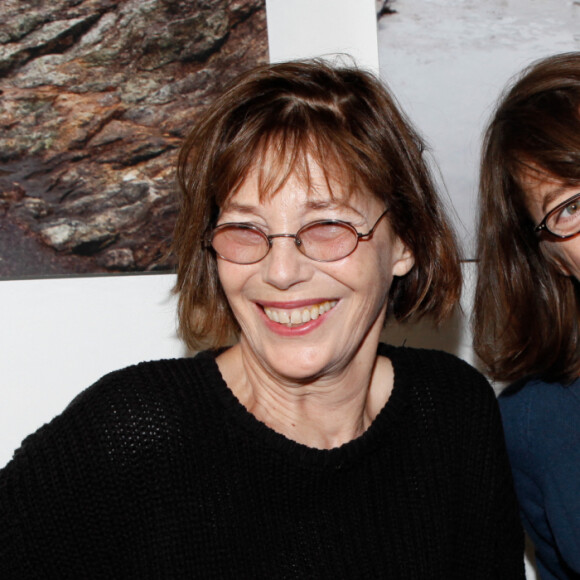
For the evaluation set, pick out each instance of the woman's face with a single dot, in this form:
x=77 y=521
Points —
x=346 y=299
x=543 y=194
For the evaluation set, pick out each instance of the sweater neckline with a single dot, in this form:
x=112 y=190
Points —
x=337 y=457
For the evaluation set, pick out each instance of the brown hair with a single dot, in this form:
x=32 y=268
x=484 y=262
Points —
x=350 y=125
x=526 y=311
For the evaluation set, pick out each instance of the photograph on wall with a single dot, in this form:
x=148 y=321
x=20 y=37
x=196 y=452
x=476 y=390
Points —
x=447 y=62
x=96 y=97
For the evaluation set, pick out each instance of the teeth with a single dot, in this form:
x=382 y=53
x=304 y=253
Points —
x=297 y=317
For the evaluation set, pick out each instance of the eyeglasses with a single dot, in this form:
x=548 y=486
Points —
x=564 y=220
x=322 y=241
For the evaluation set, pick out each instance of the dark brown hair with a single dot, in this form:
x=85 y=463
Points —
x=272 y=119
x=526 y=311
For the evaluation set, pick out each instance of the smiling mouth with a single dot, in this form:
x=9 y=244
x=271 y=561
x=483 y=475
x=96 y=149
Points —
x=299 y=316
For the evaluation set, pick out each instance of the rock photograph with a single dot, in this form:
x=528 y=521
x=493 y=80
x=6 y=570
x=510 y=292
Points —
x=96 y=97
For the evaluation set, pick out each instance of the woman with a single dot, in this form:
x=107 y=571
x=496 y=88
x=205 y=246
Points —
x=527 y=301
x=306 y=449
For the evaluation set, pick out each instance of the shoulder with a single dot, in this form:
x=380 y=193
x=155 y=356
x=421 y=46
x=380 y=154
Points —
x=439 y=371
x=132 y=411
x=541 y=417
x=446 y=392
x=145 y=382
x=453 y=411
x=540 y=405
x=528 y=394
x=133 y=389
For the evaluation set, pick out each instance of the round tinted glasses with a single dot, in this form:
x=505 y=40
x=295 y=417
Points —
x=322 y=241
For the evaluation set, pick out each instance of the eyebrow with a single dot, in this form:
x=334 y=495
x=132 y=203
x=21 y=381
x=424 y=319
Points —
x=312 y=204
x=239 y=207
x=317 y=204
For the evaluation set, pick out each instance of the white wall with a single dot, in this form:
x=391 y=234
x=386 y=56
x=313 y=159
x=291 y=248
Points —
x=58 y=336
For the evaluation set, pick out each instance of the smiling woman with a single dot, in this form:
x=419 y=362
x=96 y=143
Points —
x=298 y=446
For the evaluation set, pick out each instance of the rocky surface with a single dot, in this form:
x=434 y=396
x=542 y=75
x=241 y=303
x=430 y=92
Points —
x=96 y=97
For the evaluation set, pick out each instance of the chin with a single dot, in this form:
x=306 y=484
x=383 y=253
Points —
x=298 y=362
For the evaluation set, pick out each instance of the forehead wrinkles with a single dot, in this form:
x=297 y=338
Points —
x=321 y=174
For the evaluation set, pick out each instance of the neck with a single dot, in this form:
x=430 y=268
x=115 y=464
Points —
x=322 y=413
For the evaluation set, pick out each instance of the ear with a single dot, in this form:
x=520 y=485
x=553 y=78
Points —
x=550 y=252
x=403 y=259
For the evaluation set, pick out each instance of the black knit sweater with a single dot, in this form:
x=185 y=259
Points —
x=157 y=471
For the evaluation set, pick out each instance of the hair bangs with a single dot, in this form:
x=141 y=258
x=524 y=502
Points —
x=290 y=152
x=545 y=136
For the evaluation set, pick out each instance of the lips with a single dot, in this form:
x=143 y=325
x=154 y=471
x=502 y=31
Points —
x=291 y=317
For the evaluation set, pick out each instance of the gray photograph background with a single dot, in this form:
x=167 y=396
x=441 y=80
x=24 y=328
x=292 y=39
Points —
x=447 y=62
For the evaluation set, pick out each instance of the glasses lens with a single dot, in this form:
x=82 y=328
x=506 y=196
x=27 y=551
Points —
x=565 y=221
x=327 y=241
x=240 y=244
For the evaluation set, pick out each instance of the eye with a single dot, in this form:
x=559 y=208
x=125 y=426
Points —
x=228 y=236
x=568 y=212
x=326 y=232
x=570 y=209
x=244 y=234
x=565 y=220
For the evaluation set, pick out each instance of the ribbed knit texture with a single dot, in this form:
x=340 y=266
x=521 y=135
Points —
x=157 y=471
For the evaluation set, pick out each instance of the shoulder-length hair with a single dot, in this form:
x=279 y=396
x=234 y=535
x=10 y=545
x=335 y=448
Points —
x=526 y=310
x=275 y=119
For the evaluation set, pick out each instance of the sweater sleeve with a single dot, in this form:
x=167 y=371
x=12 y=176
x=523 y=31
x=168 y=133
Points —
x=488 y=466
x=489 y=534
x=509 y=537
x=73 y=481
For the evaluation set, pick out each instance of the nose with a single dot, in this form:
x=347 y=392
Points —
x=285 y=265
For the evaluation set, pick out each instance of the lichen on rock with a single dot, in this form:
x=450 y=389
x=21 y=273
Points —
x=96 y=97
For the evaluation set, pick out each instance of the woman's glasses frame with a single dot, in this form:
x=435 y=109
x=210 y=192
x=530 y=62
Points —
x=544 y=227
x=357 y=237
